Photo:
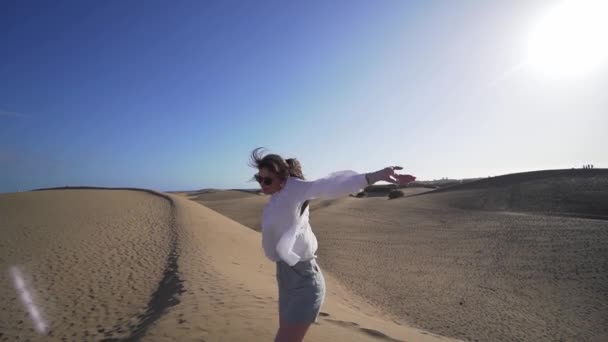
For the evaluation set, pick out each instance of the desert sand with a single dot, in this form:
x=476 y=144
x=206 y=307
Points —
x=522 y=257
x=124 y=265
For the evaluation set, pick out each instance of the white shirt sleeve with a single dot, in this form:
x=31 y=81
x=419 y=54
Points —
x=334 y=185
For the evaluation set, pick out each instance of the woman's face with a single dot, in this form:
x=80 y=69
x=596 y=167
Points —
x=269 y=181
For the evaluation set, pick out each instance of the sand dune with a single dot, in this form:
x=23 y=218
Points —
x=112 y=265
x=471 y=274
x=243 y=207
x=578 y=192
x=474 y=262
x=442 y=262
x=246 y=207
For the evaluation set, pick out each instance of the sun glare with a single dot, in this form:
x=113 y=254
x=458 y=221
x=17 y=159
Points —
x=571 y=39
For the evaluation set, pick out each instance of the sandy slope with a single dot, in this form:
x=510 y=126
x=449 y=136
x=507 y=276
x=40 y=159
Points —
x=580 y=193
x=461 y=267
x=246 y=208
x=123 y=265
x=231 y=293
x=486 y=276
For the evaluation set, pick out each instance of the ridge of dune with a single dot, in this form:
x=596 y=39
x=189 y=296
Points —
x=219 y=195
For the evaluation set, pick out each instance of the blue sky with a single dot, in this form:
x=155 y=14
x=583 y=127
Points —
x=174 y=95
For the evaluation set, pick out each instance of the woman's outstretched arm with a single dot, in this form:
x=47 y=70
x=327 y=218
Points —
x=343 y=183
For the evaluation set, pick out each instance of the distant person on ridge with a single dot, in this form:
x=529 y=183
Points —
x=287 y=237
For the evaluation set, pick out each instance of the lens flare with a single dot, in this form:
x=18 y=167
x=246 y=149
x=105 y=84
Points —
x=26 y=300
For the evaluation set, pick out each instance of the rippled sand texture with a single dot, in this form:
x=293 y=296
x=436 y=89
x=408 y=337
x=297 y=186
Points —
x=90 y=259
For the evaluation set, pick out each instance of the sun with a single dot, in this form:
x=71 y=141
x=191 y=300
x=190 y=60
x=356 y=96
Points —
x=571 y=39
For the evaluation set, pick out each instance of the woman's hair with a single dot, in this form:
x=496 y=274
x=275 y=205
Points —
x=275 y=163
x=295 y=168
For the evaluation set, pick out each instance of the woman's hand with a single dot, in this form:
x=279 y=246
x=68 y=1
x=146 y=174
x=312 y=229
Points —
x=388 y=174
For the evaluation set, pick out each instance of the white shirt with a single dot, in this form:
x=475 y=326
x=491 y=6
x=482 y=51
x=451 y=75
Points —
x=287 y=235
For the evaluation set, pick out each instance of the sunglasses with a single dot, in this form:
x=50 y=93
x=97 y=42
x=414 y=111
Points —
x=264 y=180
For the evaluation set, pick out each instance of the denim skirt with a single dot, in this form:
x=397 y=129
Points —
x=301 y=291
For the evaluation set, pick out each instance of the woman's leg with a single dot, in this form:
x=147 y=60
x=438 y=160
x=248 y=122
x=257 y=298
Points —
x=291 y=332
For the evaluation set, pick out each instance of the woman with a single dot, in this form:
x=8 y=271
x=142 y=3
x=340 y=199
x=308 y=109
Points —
x=287 y=237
